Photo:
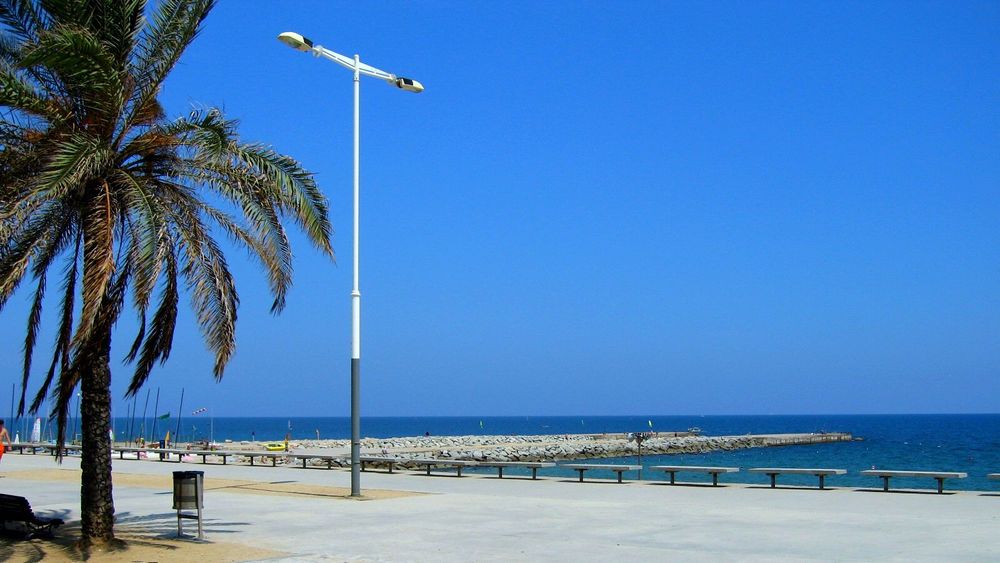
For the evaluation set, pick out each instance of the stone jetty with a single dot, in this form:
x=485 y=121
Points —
x=566 y=446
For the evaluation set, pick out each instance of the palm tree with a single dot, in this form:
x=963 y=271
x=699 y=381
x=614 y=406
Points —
x=99 y=189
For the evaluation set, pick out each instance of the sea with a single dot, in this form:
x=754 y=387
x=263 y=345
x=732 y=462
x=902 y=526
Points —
x=942 y=442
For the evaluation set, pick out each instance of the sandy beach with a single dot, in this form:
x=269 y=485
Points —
x=294 y=514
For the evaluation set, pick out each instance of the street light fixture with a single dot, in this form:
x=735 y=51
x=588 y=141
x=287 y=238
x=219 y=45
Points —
x=300 y=43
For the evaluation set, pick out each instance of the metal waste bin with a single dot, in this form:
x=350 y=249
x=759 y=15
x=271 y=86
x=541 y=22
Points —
x=189 y=495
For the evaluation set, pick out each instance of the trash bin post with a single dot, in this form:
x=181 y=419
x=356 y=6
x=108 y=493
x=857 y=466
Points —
x=189 y=495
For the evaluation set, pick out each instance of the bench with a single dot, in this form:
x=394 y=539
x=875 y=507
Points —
x=619 y=469
x=456 y=463
x=714 y=471
x=390 y=461
x=305 y=457
x=773 y=472
x=940 y=476
x=274 y=456
x=533 y=465
x=18 y=509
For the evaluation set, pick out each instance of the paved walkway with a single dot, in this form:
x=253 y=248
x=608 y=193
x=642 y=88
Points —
x=481 y=518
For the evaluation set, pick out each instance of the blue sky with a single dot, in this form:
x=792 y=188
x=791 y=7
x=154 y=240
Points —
x=617 y=208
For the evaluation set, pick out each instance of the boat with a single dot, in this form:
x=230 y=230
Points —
x=274 y=446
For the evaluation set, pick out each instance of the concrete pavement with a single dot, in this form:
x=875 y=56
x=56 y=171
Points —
x=482 y=518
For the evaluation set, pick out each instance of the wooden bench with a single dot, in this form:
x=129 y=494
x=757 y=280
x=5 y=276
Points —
x=619 y=469
x=390 y=461
x=533 y=465
x=773 y=472
x=714 y=471
x=18 y=509
x=940 y=476
x=458 y=464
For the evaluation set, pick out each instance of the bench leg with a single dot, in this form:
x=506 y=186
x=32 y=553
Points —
x=620 y=476
x=303 y=463
x=534 y=473
x=715 y=479
x=772 y=476
x=274 y=461
x=821 y=478
x=500 y=472
x=428 y=470
x=580 y=471
x=459 y=470
x=940 y=481
x=391 y=465
x=329 y=463
x=224 y=460
x=672 y=476
x=885 y=483
x=363 y=467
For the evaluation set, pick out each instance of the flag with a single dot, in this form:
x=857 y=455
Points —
x=164 y=416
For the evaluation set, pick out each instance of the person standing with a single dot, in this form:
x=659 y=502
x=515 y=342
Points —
x=4 y=435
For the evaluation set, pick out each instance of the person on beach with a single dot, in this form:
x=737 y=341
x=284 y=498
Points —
x=4 y=435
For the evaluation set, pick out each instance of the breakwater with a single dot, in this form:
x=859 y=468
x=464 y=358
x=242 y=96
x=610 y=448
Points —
x=568 y=446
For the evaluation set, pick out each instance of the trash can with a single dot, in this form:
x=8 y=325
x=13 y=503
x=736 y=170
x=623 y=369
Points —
x=189 y=495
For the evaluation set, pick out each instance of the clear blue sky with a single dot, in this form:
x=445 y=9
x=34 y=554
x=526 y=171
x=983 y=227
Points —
x=617 y=208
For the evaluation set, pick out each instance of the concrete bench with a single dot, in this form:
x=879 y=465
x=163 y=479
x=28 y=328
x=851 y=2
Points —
x=262 y=455
x=533 y=465
x=31 y=446
x=714 y=471
x=458 y=464
x=940 y=476
x=619 y=469
x=164 y=453
x=390 y=461
x=218 y=453
x=305 y=457
x=773 y=472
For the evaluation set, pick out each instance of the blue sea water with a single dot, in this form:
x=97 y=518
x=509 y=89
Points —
x=969 y=443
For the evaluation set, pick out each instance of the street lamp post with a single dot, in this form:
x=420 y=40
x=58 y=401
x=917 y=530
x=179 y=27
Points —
x=300 y=43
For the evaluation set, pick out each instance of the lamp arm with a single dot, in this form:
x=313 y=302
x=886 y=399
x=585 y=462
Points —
x=348 y=63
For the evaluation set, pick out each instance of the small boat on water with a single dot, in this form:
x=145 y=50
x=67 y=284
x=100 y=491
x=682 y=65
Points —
x=274 y=446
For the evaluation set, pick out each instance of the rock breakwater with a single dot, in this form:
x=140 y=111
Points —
x=568 y=447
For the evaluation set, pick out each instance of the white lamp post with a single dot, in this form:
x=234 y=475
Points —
x=300 y=43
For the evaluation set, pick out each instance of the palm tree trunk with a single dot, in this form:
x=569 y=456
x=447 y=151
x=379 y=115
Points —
x=96 y=503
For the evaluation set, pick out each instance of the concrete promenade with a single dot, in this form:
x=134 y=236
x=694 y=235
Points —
x=481 y=518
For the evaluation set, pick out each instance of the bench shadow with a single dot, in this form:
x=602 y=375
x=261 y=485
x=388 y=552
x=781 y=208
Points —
x=695 y=485
x=163 y=525
x=594 y=482
x=793 y=487
x=904 y=492
x=989 y=494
